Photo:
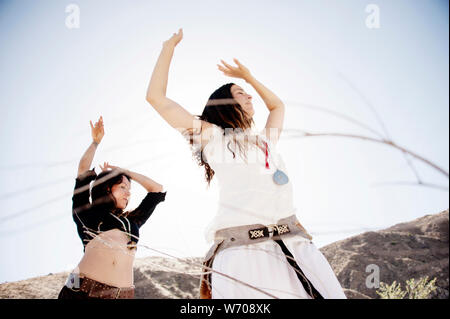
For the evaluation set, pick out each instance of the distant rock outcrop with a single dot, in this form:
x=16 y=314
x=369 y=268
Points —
x=414 y=249
x=408 y=250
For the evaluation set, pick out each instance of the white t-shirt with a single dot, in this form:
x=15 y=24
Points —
x=247 y=193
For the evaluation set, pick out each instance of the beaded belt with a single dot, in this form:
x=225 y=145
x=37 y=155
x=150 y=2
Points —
x=269 y=231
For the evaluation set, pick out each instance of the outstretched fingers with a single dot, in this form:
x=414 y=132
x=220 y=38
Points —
x=239 y=64
x=97 y=124
x=227 y=65
x=102 y=128
x=105 y=166
x=175 y=38
x=224 y=70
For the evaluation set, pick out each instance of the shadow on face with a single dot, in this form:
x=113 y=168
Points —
x=121 y=193
x=244 y=99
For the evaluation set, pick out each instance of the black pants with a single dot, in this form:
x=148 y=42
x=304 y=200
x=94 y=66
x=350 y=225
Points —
x=67 y=293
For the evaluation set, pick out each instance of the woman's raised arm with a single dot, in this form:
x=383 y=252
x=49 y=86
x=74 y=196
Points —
x=174 y=114
x=97 y=132
x=149 y=184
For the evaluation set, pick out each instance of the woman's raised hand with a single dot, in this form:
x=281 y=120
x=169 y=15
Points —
x=240 y=71
x=97 y=130
x=107 y=166
x=174 y=39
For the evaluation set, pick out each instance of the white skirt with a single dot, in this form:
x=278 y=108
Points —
x=265 y=267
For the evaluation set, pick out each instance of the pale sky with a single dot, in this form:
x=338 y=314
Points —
x=54 y=79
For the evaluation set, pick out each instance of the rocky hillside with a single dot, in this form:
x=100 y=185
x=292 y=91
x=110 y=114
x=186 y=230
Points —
x=154 y=278
x=407 y=250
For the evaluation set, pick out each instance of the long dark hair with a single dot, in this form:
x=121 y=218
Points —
x=224 y=111
x=101 y=190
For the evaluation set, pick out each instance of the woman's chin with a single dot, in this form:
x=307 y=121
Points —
x=249 y=114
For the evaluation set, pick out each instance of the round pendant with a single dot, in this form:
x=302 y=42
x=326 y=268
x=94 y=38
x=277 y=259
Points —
x=280 y=178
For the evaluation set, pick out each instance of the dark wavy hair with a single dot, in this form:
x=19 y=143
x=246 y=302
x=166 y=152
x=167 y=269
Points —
x=101 y=190
x=224 y=111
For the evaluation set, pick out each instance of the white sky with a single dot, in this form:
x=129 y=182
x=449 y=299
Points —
x=53 y=80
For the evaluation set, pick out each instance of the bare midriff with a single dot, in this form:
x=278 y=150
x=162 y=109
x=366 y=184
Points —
x=107 y=259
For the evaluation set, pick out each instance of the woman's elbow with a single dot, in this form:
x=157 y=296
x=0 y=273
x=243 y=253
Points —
x=150 y=99
x=157 y=189
x=276 y=107
x=280 y=105
x=157 y=102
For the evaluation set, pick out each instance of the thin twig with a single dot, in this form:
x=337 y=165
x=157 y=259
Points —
x=337 y=114
x=380 y=121
x=412 y=184
x=387 y=142
x=368 y=103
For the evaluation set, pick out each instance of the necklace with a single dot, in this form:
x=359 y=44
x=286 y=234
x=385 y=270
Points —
x=279 y=177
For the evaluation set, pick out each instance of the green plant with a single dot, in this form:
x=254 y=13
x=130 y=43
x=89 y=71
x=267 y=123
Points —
x=393 y=291
x=420 y=289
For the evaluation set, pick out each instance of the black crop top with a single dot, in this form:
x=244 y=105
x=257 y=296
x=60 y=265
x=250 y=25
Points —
x=93 y=219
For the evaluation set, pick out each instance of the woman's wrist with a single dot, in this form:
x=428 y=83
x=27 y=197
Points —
x=127 y=172
x=168 y=45
x=249 y=79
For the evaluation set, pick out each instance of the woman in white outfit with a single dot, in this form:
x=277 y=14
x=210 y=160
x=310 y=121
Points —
x=260 y=249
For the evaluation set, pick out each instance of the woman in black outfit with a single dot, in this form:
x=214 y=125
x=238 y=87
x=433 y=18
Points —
x=109 y=234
